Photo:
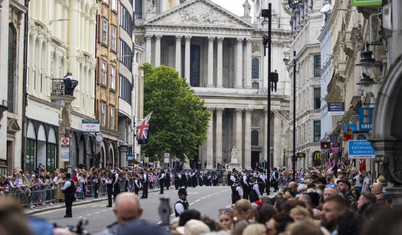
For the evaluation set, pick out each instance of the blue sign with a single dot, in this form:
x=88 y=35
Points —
x=361 y=149
x=366 y=119
x=336 y=108
x=130 y=158
x=349 y=128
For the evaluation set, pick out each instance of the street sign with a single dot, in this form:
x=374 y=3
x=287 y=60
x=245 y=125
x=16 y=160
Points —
x=65 y=154
x=65 y=141
x=335 y=149
x=166 y=158
x=90 y=126
x=348 y=131
x=70 y=135
x=336 y=108
x=361 y=149
x=364 y=3
x=317 y=156
x=325 y=145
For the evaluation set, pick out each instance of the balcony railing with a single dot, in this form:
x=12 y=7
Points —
x=63 y=87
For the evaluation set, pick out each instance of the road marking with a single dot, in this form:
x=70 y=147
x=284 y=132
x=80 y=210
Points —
x=89 y=215
x=97 y=212
x=79 y=217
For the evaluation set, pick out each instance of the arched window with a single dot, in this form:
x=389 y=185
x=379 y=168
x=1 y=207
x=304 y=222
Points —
x=255 y=65
x=11 y=67
x=254 y=138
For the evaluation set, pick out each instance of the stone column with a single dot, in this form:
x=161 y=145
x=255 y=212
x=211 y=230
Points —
x=178 y=54
x=187 y=59
x=277 y=150
x=210 y=62
x=265 y=134
x=158 y=50
x=210 y=140
x=148 y=49
x=219 y=113
x=247 y=57
x=219 y=64
x=239 y=135
x=239 y=64
x=247 y=139
x=163 y=6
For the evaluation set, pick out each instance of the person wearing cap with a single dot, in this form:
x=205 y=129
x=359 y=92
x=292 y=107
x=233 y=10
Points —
x=254 y=190
x=182 y=204
x=69 y=190
x=344 y=187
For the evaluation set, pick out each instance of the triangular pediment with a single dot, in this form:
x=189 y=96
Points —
x=12 y=125
x=199 y=13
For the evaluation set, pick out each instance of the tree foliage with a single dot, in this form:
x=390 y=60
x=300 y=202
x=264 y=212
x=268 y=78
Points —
x=179 y=120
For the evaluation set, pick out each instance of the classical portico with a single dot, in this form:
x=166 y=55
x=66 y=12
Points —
x=221 y=56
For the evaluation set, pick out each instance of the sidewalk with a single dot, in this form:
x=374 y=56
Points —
x=87 y=200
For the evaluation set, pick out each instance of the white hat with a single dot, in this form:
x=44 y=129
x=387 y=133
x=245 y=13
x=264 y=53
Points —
x=195 y=227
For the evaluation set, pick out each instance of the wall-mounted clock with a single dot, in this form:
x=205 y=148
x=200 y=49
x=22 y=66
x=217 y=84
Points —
x=290 y=5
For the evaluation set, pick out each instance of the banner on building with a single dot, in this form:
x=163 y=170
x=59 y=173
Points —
x=301 y=155
x=348 y=131
x=366 y=119
x=325 y=145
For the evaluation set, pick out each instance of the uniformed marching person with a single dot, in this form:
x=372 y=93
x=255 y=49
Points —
x=275 y=179
x=137 y=184
x=161 y=180
x=254 y=190
x=176 y=180
x=167 y=181
x=245 y=184
x=68 y=190
x=182 y=204
x=215 y=179
x=116 y=184
x=109 y=186
x=261 y=181
x=201 y=179
x=145 y=181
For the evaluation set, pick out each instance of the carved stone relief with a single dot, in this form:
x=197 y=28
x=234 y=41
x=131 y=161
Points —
x=198 y=14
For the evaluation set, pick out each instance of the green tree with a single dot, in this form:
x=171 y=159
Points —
x=179 y=120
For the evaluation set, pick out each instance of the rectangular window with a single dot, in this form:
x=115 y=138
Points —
x=317 y=98
x=113 y=38
x=104 y=31
x=103 y=73
x=113 y=77
x=317 y=66
x=114 y=5
x=317 y=131
x=111 y=119
x=103 y=114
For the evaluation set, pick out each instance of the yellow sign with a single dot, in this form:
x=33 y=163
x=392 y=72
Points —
x=301 y=155
x=317 y=156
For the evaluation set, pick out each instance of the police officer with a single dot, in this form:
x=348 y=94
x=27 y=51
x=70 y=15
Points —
x=109 y=186
x=116 y=184
x=145 y=181
x=69 y=191
x=161 y=180
x=182 y=204
x=137 y=184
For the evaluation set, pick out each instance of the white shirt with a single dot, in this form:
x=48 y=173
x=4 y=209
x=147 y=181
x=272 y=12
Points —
x=162 y=176
x=245 y=180
x=66 y=185
x=179 y=207
x=257 y=190
x=239 y=189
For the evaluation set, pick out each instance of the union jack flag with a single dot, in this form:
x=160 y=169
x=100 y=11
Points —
x=143 y=130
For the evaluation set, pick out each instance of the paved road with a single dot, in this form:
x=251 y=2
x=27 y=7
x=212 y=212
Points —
x=207 y=200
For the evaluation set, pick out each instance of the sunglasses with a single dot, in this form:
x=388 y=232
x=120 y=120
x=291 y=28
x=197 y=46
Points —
x=221 y=210
x=330 y=186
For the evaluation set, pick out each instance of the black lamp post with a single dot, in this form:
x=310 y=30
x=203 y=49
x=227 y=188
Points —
x=272 y=81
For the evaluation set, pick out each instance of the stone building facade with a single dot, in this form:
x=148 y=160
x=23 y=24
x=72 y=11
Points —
x=12 y=31
x=305 y=29
x=58 y=43
x=222 y=57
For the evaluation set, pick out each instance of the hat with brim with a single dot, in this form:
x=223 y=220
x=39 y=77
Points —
x=182 y=191
x=344 y=181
